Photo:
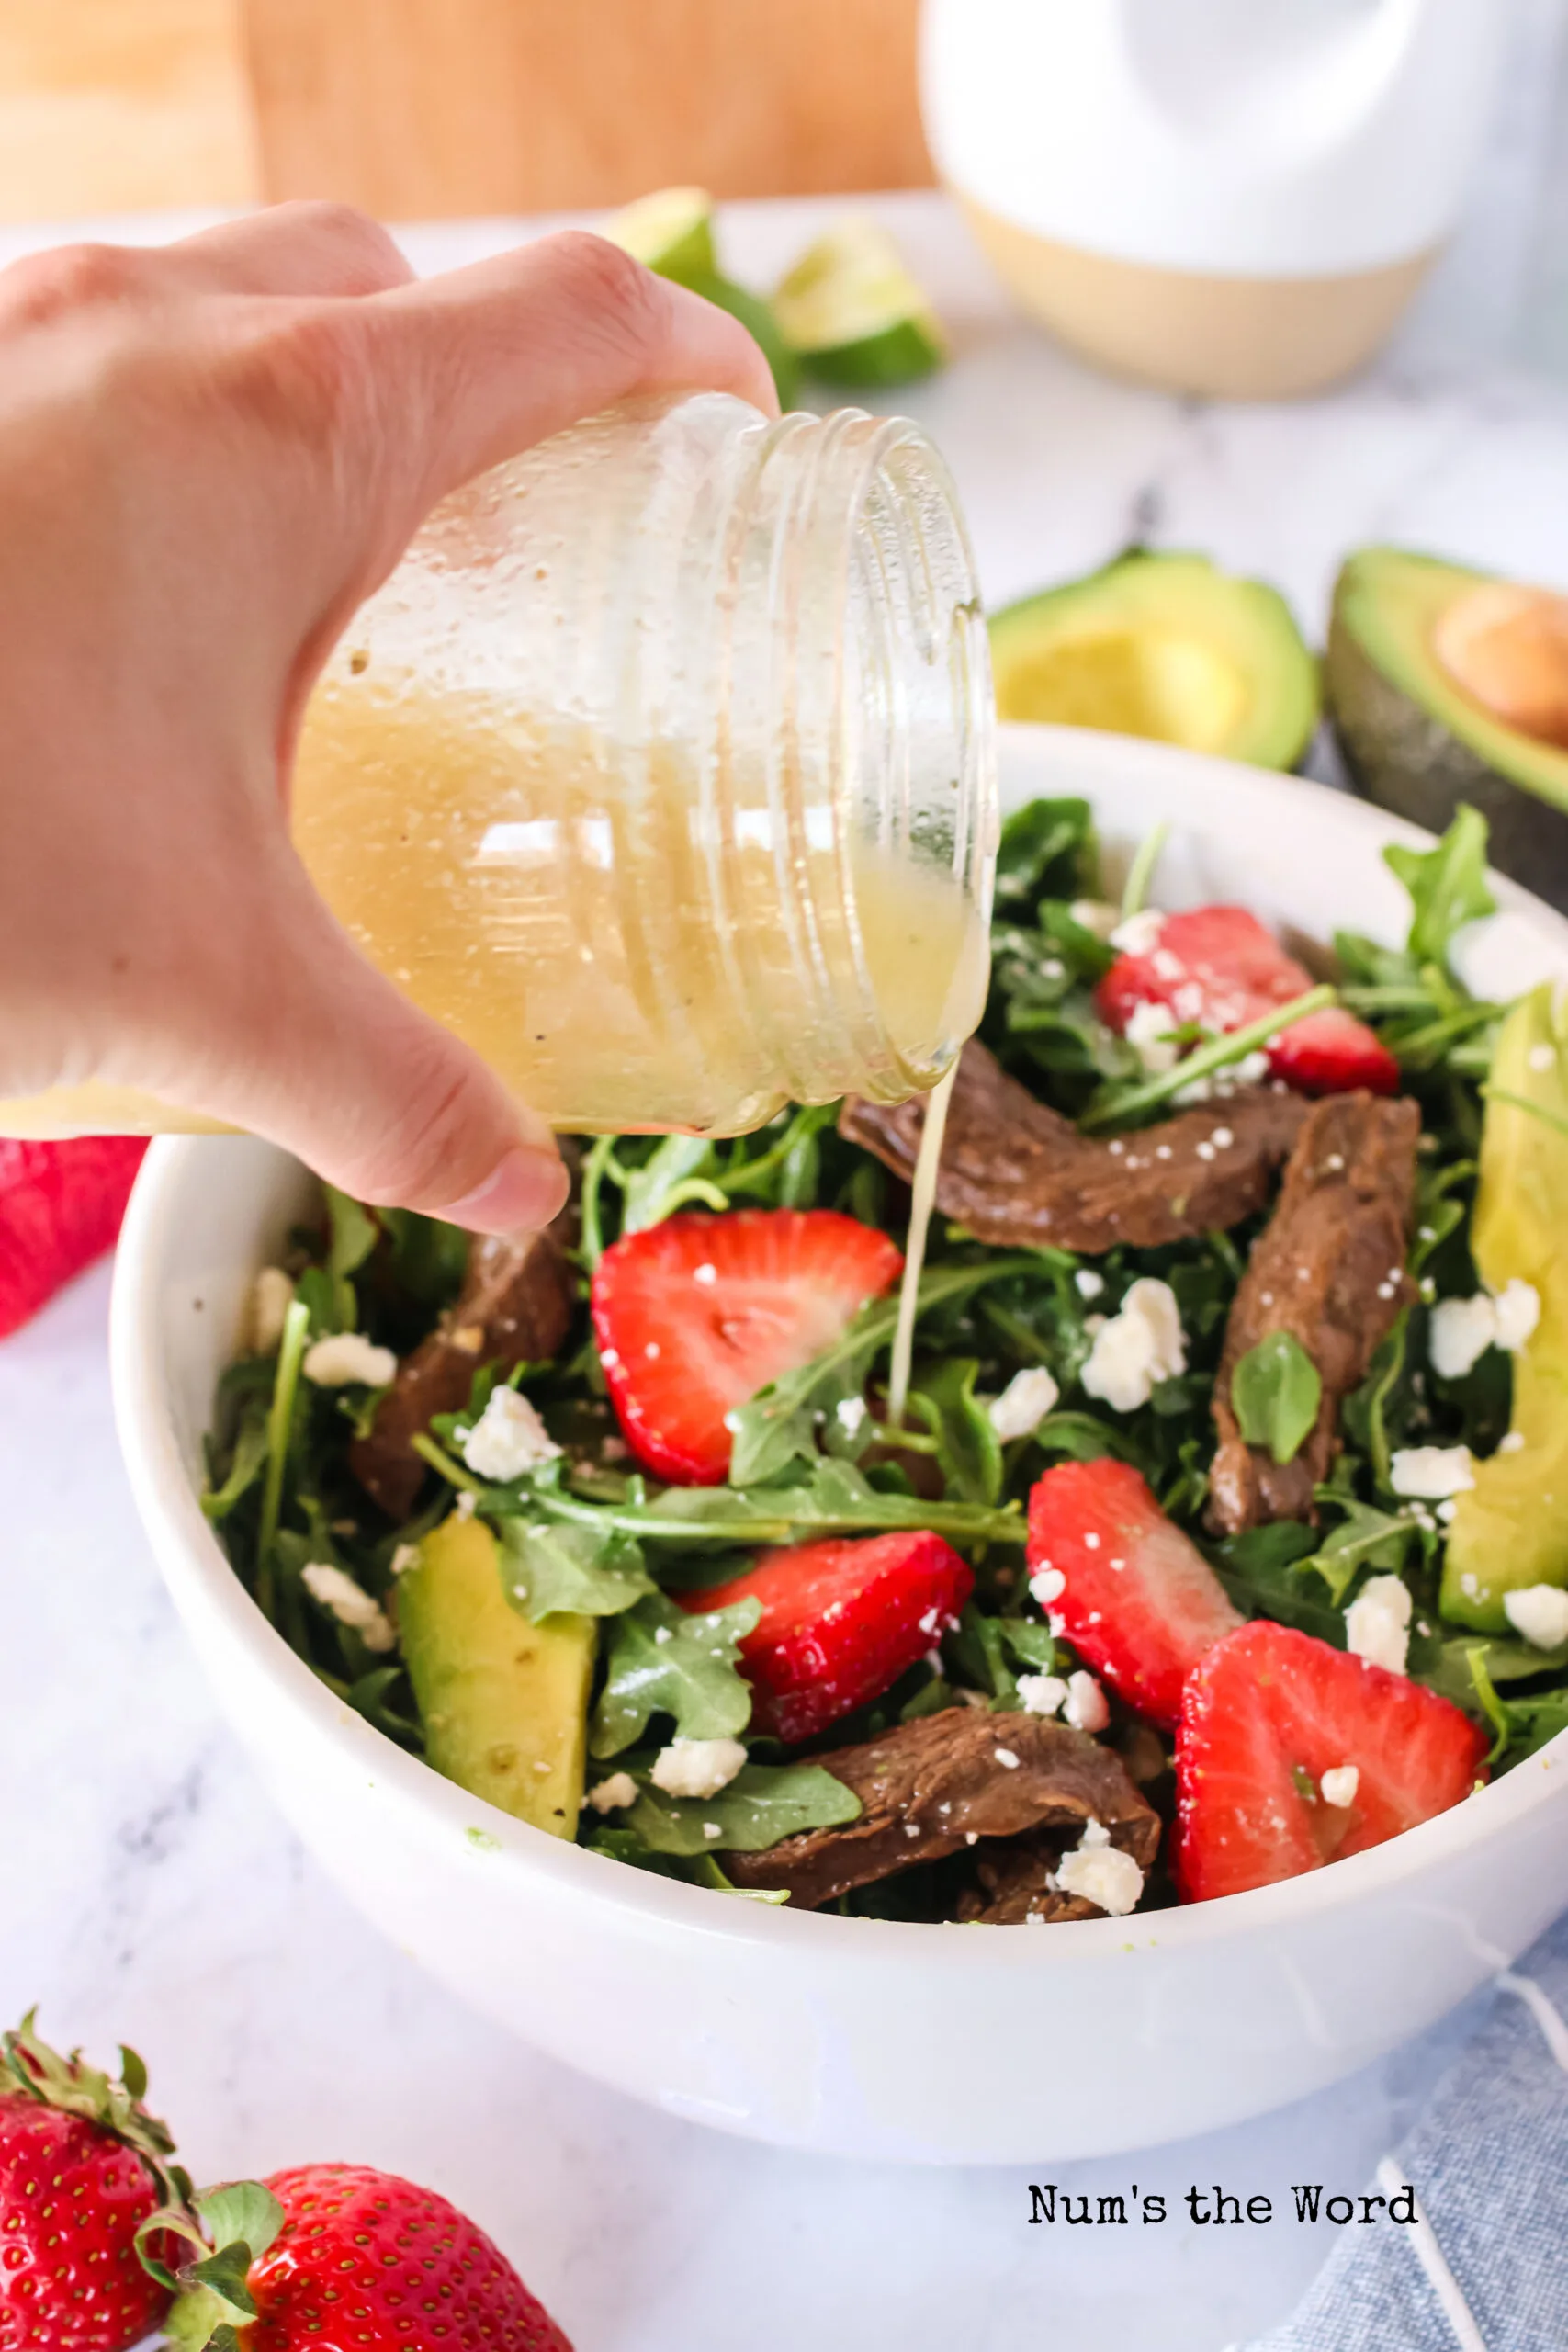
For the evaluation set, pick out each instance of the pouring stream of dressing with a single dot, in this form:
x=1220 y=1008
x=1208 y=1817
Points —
x=922 y=1201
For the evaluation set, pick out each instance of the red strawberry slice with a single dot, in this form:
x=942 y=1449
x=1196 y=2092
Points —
x=1136 y=1598
x=842 y=1619
x=1268 y=1713
x=695 y=1315
x=1219 y=967
x=61 y=1206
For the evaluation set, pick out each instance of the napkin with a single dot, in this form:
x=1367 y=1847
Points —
x=1485 y=2265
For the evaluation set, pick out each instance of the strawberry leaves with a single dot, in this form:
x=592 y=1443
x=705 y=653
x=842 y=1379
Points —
x=231 y=2227
x=74 y=2087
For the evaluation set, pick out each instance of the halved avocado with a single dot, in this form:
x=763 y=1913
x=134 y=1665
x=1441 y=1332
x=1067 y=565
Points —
x=1163 y=646
x=1445 y=684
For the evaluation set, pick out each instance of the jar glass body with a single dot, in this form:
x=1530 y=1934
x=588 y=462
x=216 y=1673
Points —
x=662 y=768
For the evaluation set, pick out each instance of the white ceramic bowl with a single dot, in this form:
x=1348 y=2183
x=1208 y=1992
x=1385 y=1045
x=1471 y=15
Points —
x=871 y=2038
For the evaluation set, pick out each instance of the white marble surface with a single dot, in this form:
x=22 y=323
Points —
x=149 y=1894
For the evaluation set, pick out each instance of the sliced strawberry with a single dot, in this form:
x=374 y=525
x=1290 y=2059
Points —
x=61 y=1206
x=841 y=1620
x=1268 y=1713
x=695 y=1315
x=1219 y=967
x=1136 y=1598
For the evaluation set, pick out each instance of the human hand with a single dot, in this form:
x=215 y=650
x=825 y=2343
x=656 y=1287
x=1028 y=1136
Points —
x=210 y=453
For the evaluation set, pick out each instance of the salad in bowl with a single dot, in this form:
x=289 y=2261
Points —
x=1222 y=1533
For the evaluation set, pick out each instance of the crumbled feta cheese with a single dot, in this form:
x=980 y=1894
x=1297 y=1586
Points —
x=1042 y=1694
x=706 y=1274
x=1047 y=1584
x=1023 y=1403
x=1431 y=1473
x=1135 y=1348
x=1095 y=1833
x=345 y=1358
x=1222 y=1138
x=850 y=1413
x=697 y=1768
x=1085 y=1707
x=1513 y=1443
x=614 y=1795
x=272 y=1296
x=403 y=1558
x=1377 y=1624
x=1095 y=914
x=1139 y=934
x=1148 y=1030
x=1340 y=1786
x=711 y=1830
x=1463 y=1328
x=1006 y=1759
x=464 y=1506
x=1538 y=1612
x=1087 y=1284
x=349 y=1603
x=508 y=1437
x=1102 y=1874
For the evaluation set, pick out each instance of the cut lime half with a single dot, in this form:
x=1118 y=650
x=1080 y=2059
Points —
x=671 y=231
x=853 y=313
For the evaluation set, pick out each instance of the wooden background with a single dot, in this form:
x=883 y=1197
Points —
x=419 y=108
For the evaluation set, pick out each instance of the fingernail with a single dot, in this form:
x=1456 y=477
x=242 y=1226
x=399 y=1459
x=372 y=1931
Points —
x=523 y=1192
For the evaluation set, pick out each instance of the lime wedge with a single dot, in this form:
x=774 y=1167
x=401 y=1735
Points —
x=671 y=231
x=853 y=314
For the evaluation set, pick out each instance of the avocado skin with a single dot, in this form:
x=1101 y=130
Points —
x=1510 y=1529
x=1407 y=758
x=504 y=1701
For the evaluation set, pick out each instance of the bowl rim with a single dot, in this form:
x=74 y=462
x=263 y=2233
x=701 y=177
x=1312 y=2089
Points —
x=191 y=1558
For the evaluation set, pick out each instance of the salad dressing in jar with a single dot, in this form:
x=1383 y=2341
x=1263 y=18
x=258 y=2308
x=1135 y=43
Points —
x=663 y=771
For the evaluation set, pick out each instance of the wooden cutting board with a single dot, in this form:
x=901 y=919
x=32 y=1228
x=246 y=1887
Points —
x=420 y=107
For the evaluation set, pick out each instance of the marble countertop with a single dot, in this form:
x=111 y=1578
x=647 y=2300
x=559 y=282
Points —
x=150 y=1894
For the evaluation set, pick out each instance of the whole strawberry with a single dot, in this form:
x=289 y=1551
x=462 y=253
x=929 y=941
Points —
x=82 y=2165
x=344 y=2259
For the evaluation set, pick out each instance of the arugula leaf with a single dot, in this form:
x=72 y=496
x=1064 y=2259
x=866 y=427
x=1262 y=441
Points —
x=428 y=1257
x=1083 y=1437
x=677 y=1172
x=659 y=1661
x=979 y=1652
x=1364 y=1538
x=246 y=1463
x=1275 y=1390
x=1368 y=1410
x=552 y=1567
x=969 y=1453
x=762 y=1804
x=1261 y=1570
x=1447 y=884
x=1047 y=849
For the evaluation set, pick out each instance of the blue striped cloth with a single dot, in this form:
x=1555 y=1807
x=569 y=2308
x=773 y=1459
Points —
x=1485 y=2265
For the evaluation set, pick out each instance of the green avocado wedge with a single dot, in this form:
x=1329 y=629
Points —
x=1415 y=740
x=1510 y=1529
x=1162 y=646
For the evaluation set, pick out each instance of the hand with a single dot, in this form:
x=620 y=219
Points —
x=210 y=453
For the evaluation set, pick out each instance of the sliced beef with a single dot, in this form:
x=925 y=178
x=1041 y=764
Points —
x=1013 y=1886
x=515 y=1308
x=1017 y=1174
x=1329 y=1269
x=930 y=1785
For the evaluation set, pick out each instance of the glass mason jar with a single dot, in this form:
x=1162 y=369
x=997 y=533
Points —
x=663 y=771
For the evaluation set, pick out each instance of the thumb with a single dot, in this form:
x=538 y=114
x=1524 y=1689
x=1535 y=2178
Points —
x=329 y=1059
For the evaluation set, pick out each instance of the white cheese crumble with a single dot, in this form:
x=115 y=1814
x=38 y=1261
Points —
x=1085 y=1707
x=349 y=1603
x=697 y=1768
x=1139 y=934
x=1538 y=1612
x=1136 y=1347
x=1340 y=1786
x=614 y=1795
x=1429 y=1474
x=343 y=1358
x=508 y=1437
x=403 y=1558
x=1087 y=1284
x=1377 y=1624
x=1042 y=1694
x=1100 y=1874
x=1147 y=1031
x=850 y=1413
x=1463 y=1328
x=272 y=1296
x=1513 y=1443
x=1095 y=914
x=1047 y=1584
x=1022 y=1404
x=1006 y=1759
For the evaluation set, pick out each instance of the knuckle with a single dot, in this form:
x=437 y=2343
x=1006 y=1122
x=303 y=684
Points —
x=364 y=249
x=420 y=1158
x=623 y=301
x=46 y=287
x=299 y=372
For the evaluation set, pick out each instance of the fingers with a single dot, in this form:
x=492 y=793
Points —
x=323 y=1055
x=483 y=362
x=292 y=249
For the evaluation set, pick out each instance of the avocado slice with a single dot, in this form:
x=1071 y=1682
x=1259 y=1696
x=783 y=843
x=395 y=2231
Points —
x=1511 y=1529
x=504 y=1703
x=1445 y=684
x=1164 y=646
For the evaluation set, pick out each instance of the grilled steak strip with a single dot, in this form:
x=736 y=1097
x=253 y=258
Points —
x=1011 y=1886
x=925 y=1786
x=515 y=1307
x=1017 y=1174
x=1329 y=1269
